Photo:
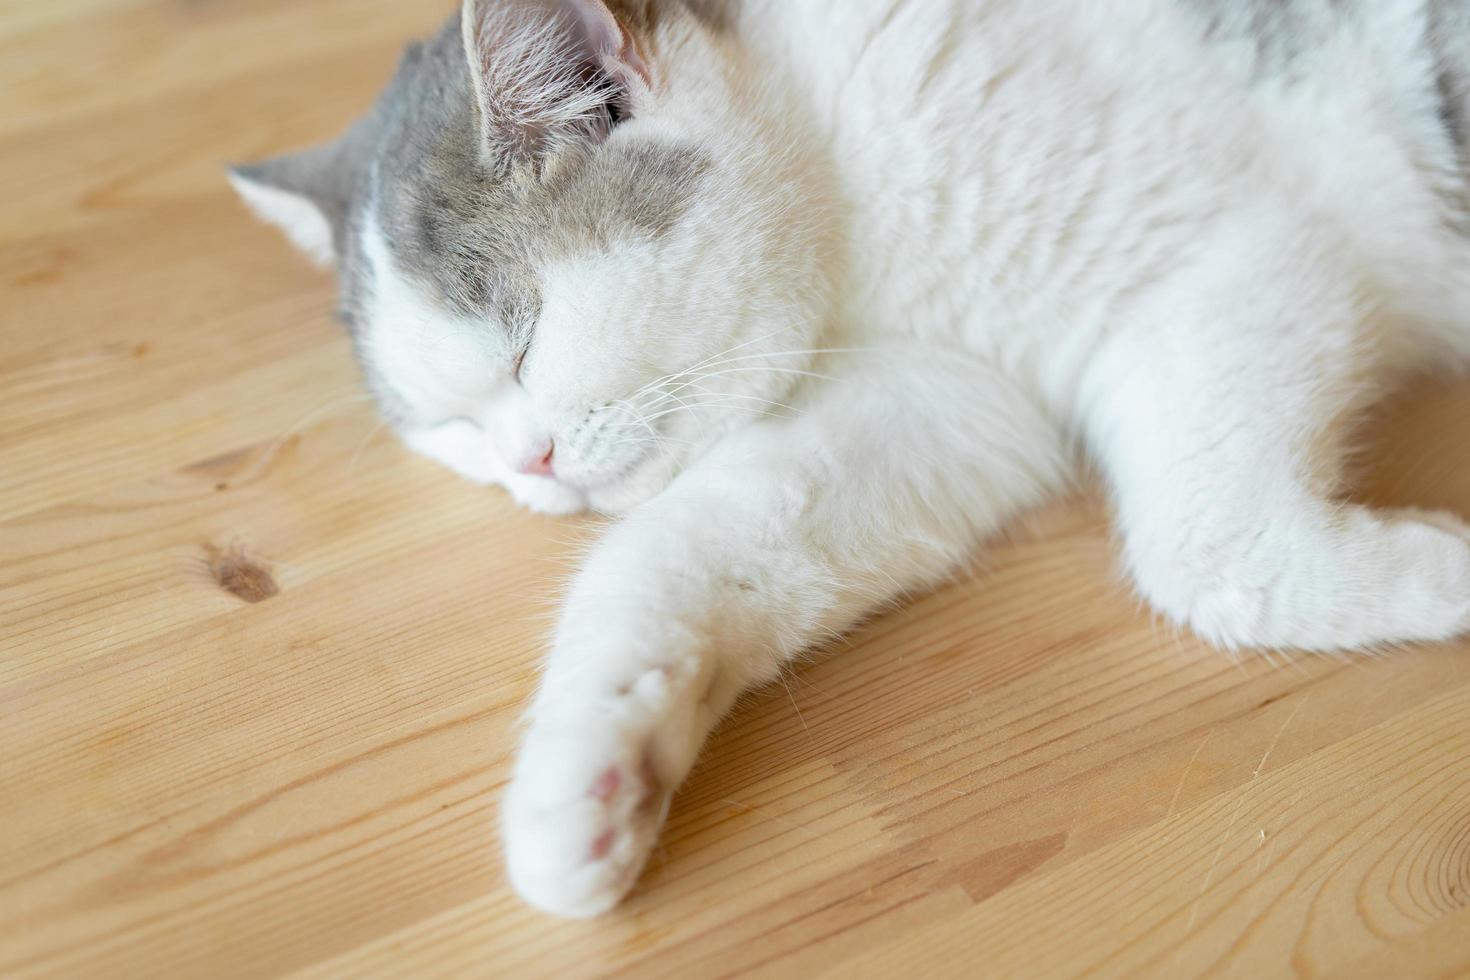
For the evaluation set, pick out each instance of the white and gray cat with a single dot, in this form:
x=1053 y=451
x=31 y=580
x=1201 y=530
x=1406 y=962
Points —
x=820 y=293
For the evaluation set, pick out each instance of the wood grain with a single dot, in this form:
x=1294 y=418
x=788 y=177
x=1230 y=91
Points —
x=260 y=669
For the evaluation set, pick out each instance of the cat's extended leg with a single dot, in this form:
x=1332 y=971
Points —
x=787 y=534
x=1220 y=419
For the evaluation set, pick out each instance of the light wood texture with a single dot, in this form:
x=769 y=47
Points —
x=260 y=669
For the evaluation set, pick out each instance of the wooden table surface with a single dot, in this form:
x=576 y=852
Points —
x=260 y=669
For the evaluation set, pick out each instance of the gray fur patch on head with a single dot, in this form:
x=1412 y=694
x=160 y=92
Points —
x=472 y=232
x=465 y=213
x=473 y=229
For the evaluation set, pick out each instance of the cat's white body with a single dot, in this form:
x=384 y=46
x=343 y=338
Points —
x=1118 y=228
x=1030 y=231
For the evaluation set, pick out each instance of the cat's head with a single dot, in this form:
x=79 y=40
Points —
x=573 y=248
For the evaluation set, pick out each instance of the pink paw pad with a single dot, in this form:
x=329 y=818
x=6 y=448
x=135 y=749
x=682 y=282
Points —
x=604 y=844
x=607 y=785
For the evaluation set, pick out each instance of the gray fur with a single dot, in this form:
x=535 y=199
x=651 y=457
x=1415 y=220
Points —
x=475 y=234
x=1449 y=40
x=469 y=224
x=1280 y=31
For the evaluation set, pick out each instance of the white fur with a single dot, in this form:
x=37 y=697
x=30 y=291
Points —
x=1031 y=225
x=453 y=376
x=1071 y=218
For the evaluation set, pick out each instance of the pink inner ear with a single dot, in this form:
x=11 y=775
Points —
x=599 y=34
x=528 y=91
x=612 y=42
x=632 y=59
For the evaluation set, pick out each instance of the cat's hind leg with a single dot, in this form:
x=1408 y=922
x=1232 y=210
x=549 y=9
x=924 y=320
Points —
x=1219 y=417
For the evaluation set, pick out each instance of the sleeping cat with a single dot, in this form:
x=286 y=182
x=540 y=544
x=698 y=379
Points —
x=820 y=293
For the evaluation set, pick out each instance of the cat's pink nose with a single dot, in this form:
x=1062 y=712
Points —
x=539 y=461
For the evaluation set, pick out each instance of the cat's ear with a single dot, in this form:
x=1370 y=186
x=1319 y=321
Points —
x=304 y=194
x=546 y=71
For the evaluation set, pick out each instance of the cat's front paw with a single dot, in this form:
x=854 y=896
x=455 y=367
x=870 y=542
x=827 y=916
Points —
x=544 y=496
x=581 y=816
